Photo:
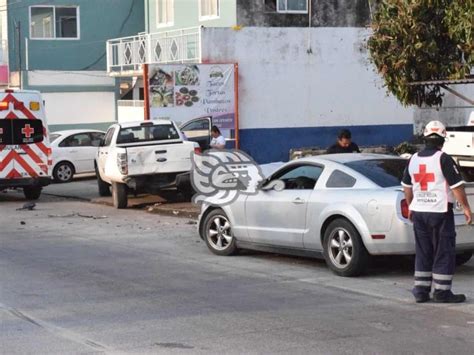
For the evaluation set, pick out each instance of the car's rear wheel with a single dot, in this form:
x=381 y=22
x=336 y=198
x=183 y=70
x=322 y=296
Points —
x=463 y=258
x=217 y=233
x=119 y=195
x=344 y=251
x=63 y=172
x=104 y=188
x=32 y=193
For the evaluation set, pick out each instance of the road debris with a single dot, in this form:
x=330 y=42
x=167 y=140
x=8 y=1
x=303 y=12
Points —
x=29 y=206
x=75 y=215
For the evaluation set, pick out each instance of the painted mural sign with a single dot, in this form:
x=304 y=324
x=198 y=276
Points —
x=182 y=92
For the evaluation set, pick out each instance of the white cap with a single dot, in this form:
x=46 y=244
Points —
x=435 y=127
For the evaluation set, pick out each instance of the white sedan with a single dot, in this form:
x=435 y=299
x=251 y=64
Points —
x=344 y=207
x=73 y=152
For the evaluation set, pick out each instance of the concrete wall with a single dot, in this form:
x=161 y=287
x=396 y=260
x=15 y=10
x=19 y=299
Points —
x=324 y=13
x=76 y=99
x=290 y=98
x=186 y=14
x=99 y=21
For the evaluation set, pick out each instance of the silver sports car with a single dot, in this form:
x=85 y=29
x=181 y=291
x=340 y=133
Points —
x=344 y=207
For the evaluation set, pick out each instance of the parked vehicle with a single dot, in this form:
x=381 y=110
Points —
x=460 y=145
x=74 y=152
x=25 y=154
x=144 y=156
x=344 y=207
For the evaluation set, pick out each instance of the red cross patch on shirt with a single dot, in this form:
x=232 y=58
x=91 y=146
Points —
x=423 y=177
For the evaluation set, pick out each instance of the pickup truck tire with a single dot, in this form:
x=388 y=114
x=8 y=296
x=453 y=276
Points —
x=463 y=258
x=104 y=188
x=119 y=195
x=32 y=193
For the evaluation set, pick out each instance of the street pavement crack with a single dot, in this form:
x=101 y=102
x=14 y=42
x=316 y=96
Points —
x=55 y=330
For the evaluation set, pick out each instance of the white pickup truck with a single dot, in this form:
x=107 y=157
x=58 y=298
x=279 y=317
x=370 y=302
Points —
x=141 y=157
x=460 y=145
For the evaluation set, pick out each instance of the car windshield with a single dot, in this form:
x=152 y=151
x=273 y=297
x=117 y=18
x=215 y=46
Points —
x=383 y=172
x=53 y=137
x=147 y=133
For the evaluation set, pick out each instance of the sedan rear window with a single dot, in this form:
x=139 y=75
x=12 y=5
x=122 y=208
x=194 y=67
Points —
x=383 y=172
x=147 y=133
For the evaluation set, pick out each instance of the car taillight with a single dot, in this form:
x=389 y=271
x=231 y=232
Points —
x=197 y=150
x=122 y=163
x=404 y=208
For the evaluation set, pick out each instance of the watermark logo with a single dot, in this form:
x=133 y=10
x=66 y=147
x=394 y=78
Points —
x=219 y=177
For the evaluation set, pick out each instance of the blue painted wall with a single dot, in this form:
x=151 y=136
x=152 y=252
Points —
x=273 y=144
x=100 y=20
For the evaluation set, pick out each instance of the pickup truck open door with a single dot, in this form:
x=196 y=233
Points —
x=198 y=130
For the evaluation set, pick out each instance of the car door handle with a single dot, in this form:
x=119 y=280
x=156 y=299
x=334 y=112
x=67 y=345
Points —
x=161 y=160
x=298 y=201
x=73 y=151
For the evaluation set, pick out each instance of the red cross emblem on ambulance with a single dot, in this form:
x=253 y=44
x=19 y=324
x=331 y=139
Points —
x=27 y=131
x=424 y=178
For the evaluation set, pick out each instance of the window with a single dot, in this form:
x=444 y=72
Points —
x=53 y=137
x=77 y=140
x=340 y=179
x=209 y=9
x=96 y=138
x=108 y=136
x=164 y=13
x=303 y=177
x=141 y=134
x=199 y=125
x=54 y=22
x=292 y=6
x=21 y=131
x=383 y=172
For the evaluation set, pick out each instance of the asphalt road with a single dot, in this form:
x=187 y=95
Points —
x=81 y=278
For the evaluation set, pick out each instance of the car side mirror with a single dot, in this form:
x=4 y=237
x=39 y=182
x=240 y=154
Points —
x=276 y=185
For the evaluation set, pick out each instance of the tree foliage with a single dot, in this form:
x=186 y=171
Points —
x=421 y=40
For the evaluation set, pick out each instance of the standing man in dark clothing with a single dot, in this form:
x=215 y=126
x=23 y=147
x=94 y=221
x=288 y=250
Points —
x=432 y=183
x=344 y=144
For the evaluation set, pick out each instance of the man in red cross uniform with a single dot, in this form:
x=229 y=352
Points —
x=432 y=183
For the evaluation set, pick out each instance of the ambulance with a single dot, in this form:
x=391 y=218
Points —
x=25 y=153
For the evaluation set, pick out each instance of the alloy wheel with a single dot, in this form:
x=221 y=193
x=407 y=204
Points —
x=64 y=172
x=219 y=234
x=340 y=248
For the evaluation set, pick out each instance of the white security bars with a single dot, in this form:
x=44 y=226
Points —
x=126 y=55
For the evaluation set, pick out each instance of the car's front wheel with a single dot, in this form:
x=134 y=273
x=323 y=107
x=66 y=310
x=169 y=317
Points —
x=63 y=172
x=217 y=233
x=119 y=195
x=344 y=251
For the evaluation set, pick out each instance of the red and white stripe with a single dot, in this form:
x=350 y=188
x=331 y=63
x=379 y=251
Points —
x=35 y=159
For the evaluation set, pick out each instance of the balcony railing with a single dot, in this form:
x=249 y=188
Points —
x=125 y=56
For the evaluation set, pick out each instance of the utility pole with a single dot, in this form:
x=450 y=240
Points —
x=18 y=31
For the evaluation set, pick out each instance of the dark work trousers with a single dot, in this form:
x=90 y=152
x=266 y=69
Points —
x=435 y=262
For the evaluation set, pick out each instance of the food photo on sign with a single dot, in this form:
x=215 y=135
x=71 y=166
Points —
x=184 y=92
